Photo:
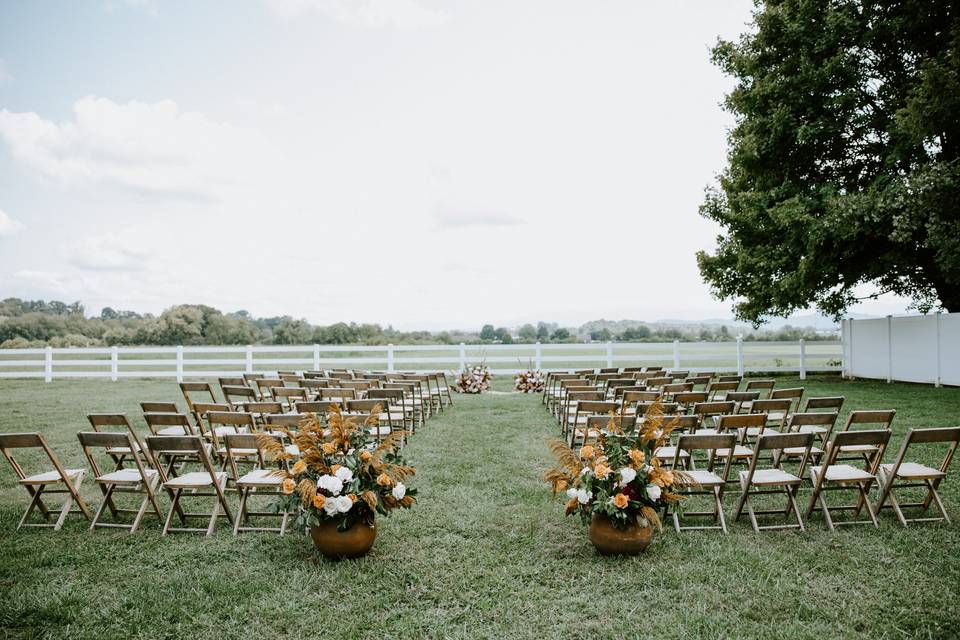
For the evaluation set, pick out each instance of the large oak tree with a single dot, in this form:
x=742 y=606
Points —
x=844 y=163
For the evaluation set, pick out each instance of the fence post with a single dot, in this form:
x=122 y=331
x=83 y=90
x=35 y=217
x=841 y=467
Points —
x=609 y=353
x=889 y=349
x=316 y=357
x=248 y=366
x=676 y=354
x=803 y=359
x=390 y=358
x=538 y=356
x=114 y=362
x=936 y=381
x=48 y=364
x=179 y=364
x=740 y=355
x=463 y=357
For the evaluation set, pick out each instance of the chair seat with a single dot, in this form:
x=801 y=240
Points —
x=739 y=451
x=812 y=428
x=753 y=432
x=194 y=479
x=668 y=453
x=260 y=478
x=237 y=453
x=841 y=473
x=706 y=478
x=706 y=432
x=173 y=431
x=794 y=452
x=380 y=431
x=914 y=471
x=125 y=476
x=859 y=448
x=222 y=431
x=770 y=477
x=591 y=433
x=51 y=477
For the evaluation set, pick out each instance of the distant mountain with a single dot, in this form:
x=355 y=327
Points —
x=814 y=321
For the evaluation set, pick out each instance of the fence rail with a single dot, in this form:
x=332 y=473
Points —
x=208 y=361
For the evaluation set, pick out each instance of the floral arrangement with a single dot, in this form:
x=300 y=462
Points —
x=530 y=381
x=476 y=379
x=619 y=477
x=340 y=472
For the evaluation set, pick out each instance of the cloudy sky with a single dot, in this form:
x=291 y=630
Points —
x=421 y=163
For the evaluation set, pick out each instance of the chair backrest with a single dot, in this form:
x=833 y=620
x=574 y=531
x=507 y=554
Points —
x=716 y=388
x=244 y=442
x=699 y=380
x=875 y=437
x=289 y=420
x=827 y=420
x=582 y=396
x=602 y=423
x=242 y=391
x=11 y=441
x=685 y=424
x=706 y=442
x=619 y=391
x=197 y=391
x=677 y=387
x=266 y=385
x=311 y=406
x=338 y=396
x=763 y=386
x=882 y=418
x=832 y=404
x=365 y=406
x=690 y=398
x=668 y=408
x=731 y=422
x=262 y=408
x=632 y=397
x=250 y=377
x=772 y=406
x=730 y=378
x=793 y=393
x=175 y=446
x=620 y=382
x=938 y=435
x=202 y=408
x=586 y=407
x=340 y=375
x=231 y=381
x=157 y=420
x=678 y=375
x=290 y=379
x=632 y=369
x=776 y=442
x=230 y=419
x=91 y=441
x=743 y=396
x=657 y=382
x=393 y=395
x=287 y=395
x=714 y=408
x=159 y=407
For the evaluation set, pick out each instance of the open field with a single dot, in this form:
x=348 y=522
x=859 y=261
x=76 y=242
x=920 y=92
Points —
x=485 y=553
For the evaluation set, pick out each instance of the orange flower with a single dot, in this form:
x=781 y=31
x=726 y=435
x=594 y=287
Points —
x=661 y=477
x=329 y=448
x=352 y=496
x=289 y=485
x=637 y=457
x=319 y=501
x=587 y=452
x=333 y=469
x=299 y=467
x=561 y=485
x=384 y=480
x=601 y=471
x=365 y=456
x=620 y=501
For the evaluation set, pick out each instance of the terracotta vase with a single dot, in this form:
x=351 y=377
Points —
x=630 y=540
x=352 y=543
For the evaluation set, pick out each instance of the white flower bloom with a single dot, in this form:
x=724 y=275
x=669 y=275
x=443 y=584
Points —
x=330 y=506
x=584 y=496
x=330 y=483
x=399 y=491
x=344 y=474
x=584 y=471
x=627 y=475
x=343 y=504
x=571 y=493
x=653 y=491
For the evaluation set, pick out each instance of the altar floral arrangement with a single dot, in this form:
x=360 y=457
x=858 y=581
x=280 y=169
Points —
x=618 y=477
x=341 y=473
x=475 y=379
x=530 y=381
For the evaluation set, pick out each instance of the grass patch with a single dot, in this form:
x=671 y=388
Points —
x=485 y=553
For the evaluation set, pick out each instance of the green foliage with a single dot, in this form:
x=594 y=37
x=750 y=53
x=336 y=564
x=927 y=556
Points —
x=844 y=164
x=488 y=333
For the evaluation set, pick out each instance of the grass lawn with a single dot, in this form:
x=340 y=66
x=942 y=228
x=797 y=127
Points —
x=485 y=553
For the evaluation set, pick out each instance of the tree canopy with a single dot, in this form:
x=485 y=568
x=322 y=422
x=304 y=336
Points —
x=843 y=174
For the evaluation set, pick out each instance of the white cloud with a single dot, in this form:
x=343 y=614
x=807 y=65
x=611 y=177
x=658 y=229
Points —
x=4 y=74
x=108 y=252
x=448 y=217
x=150 y=148
x=373 y=14
x=8 y=226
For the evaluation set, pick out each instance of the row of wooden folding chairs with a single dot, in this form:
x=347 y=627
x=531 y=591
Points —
x=148 y=472
x=766 y=476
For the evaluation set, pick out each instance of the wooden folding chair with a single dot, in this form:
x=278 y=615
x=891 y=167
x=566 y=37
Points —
x=700 y=381
x=237 y=395
x=260 y=410
x=902 y=475
x=710 y=412
x=313 y=385
x=99 y=421
x=572 y=401
x=158 y=407
x=730 y=378
x=392 y=400
x=287 y=396
x=832 y=477
x=678 y=374
x=168 y=424
x=231 y=381
x=719 y=390
x=223 y=423
x=743 y=400
x=140 y=479
x=658 y=382
x=737 y=424
x=200 y=411
x=579 y=426
x=683 y=425
x=38 y=485
x=194 y=392
x=259 y=481
x=881 y=419
x=773 y=480
x=687 y=399
x=362 y=408
x=827 y=403
x=265 y=387
x=793 y=394
x=819 y=424
x=765 y=387
x=670 y=390
x=207 y=483
x=708 y=481
x=776 y=416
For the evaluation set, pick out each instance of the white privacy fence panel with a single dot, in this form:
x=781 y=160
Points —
x=905 y=348
x=212 y=361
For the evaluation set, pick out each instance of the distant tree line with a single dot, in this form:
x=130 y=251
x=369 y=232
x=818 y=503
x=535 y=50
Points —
x=37 y=323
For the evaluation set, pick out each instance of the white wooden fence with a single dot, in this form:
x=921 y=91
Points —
x=208 y=361
x=905 y=348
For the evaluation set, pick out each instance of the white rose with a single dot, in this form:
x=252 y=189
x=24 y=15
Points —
x=653 y=491
x=330 y=506
x=571 y=493
x=330 y=483
x=584 y=496
x=343 y=504
x=584 y=471
x=627 y=475
x=399 y=491
x=344 y=474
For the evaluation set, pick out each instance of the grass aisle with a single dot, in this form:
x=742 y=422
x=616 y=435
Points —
x=485 y=553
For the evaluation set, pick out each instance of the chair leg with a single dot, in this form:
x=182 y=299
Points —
x=793 y=503
x=107 y=501
x=896 y=508
x=140 y=512
x=174 y=508
x=242 y=511
x=718 y=496
x=34 y=503
x=936 y=498
x=826 y=511
x=67 y=505
x=865 y=501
